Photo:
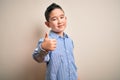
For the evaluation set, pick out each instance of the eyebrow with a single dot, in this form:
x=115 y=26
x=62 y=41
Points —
x=55 y=16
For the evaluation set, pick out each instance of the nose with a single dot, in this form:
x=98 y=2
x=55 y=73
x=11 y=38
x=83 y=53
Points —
x=59 y=21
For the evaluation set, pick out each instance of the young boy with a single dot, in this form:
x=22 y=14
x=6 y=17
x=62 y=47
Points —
x=56 y=49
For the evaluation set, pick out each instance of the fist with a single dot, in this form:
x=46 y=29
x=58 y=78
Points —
x=48 y=44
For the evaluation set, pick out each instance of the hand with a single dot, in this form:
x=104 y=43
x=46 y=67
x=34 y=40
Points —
x=48 y=44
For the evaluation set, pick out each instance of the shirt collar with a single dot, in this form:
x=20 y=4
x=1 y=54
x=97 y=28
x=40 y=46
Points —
x=56 y=36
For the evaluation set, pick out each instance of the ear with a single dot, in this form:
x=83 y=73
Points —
x=47 y=24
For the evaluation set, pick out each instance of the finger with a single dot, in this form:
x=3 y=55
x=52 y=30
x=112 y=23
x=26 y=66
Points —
x=53 y=43
x=54 y=46
x=46 y=36
x=53 y=40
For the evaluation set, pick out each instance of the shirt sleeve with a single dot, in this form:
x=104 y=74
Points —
x=39 y=54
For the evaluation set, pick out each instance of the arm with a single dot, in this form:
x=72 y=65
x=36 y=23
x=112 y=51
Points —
x=39 y=54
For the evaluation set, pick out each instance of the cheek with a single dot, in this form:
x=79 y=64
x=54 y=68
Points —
x=65 y=22
x=54 y=24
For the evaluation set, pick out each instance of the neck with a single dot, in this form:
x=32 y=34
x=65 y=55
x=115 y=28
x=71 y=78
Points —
x=60 y=33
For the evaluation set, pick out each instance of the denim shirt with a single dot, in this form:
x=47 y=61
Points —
x=60 y=62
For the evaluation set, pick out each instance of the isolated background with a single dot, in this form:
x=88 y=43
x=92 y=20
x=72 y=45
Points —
x=94 y=26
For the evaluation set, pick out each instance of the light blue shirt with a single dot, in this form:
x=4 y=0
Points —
x=60 y=62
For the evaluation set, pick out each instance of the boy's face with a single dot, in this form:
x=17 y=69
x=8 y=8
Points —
x=57 y=21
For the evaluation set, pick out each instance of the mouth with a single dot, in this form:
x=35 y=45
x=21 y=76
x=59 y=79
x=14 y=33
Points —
x=60 y=25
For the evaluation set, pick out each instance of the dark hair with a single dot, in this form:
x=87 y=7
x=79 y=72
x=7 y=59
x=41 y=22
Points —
x=50 y=8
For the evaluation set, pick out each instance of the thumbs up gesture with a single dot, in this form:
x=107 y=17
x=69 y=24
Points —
x=48 y=44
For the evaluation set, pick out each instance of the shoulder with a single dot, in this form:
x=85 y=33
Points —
x=41 y=40
x=69 y=38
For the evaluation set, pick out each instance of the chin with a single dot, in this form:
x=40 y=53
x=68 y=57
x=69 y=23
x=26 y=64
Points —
x=58 y=31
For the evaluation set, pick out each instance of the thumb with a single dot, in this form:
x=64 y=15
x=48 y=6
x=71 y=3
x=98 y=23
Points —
x=46 y=36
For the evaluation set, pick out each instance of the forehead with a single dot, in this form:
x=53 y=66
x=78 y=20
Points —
x=56 y=12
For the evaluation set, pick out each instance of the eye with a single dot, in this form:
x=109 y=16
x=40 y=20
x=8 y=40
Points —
x=61 y=17
x=53 y=19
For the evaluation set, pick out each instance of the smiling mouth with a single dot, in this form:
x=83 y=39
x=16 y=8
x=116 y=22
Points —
x=60 y=25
